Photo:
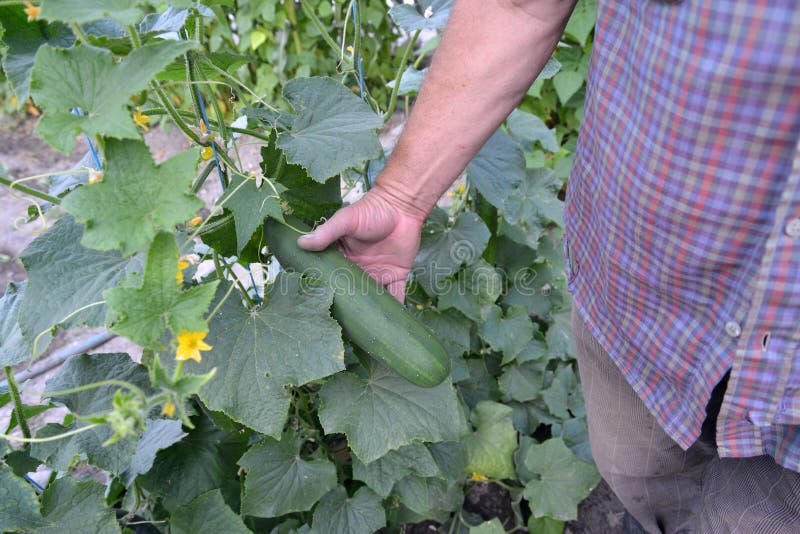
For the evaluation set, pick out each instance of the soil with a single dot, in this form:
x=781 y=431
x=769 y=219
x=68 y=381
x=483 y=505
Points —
x=24 y=154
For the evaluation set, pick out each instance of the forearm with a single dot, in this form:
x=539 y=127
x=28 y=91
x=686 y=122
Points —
x=490 y=53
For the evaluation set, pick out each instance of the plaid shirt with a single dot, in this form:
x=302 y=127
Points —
x=683 y=213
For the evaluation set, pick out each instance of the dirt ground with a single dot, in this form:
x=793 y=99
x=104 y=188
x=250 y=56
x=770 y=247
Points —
x=24 y=154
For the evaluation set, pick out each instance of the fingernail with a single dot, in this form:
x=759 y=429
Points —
x=307 y=236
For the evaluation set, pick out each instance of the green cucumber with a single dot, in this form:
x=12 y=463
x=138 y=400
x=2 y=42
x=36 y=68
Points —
x=368 y=314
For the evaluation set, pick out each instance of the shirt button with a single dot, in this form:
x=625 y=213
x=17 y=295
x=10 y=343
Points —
x=793 y=228
x=733 y=329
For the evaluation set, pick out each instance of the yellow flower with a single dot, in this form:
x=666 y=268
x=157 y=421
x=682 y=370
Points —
x=190 y=344
x=194 y=221
x=203 y=127
x=350 y=50
x=182 y=264
x=479 y=478
x=207 y=152
x=32 y=11
x=141 y=119
x=419 y=307
x=95 y=176
x=461 y=189
x=168 y=409
x=14 y=100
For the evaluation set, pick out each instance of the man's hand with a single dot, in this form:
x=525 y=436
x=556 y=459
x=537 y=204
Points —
x=379 y=232
x=489 y=55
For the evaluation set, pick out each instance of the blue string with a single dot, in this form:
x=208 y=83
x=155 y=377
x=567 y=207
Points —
x=79 y=112
x=35 y=484
x=219 y=172
x=208 y=129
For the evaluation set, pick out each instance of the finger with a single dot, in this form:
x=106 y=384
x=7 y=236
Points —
x=341 y=224
x=397 y=289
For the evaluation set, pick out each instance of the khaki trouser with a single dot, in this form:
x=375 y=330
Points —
x=664 y=487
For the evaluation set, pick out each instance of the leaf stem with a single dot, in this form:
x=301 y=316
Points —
x=50 y=438
x=171 y=111
x=221 y=302
x=79 y=33
x=224 y=74
x=30 y=191
x=309 y=11
x=211 y=122
x=95 y=385
x=178 y=370
x=66 y=318
x=14 y=389
x=400 y=69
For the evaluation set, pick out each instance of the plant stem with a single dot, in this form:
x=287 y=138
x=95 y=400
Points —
x=178 y=370
x=30 y=191
x=309 y=11
x=400 y=69
x=95 y=385
x=175 y=116
x=212 y=123
x=79 y=33
x=170 y=109
x=14 y=389
x=201 y=178
x=50 y=438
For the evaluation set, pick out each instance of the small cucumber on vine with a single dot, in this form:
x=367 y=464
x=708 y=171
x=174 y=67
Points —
x=368 y=314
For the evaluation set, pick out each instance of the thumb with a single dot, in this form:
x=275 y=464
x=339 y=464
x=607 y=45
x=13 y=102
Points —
x=341 y=224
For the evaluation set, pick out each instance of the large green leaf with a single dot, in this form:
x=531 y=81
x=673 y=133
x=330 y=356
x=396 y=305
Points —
x=60 y=455
x=488 y=527
x=305 y=197
x=250 y=205
x=85 y=369
x=508 y=333
x=123 y=11
x=159 y=434
x=382 y=474
x=207 y=513
x=22 y=40
x=279 y=481
x=333 y=129
x=19 y=508
x=497 y=168
x=445 y=246
x=431 y=498
x=533 y=204
x=87 y=78
x=559 y=480
x=63 y=277
x=132 y=455
x=474 y=288
x=72 y=506
x=360 y=514
x=581 y=22
x=452 y=329
x=136 y=198
x=432 y=15
x=202 y=461
x=291 y=339
x=382 y=411
x=566 y=84
x=142 y=313
x=13 y=347
x=556 y=395
x=522 y=383
x=527 y=128
x=491 y=447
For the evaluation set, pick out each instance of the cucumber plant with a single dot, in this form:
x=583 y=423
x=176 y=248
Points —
x=261 y=407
